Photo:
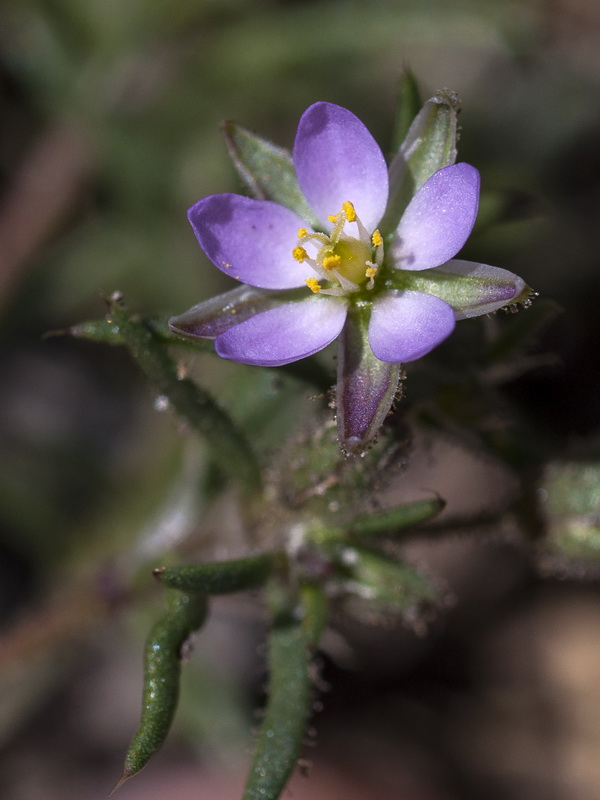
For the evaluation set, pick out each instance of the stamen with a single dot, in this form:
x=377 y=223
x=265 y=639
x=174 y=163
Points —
x=312 y=236
x=370 y=273
x=349 y=210
x=334 y=291
x=340 y=262
x=314 y=285
x=299 y=254
x=332 y=261
x=346 y=284
x=338 y=227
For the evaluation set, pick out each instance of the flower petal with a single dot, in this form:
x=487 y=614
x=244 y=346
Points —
x=284 y=334
x=406 y=325
x=214 y=316
x=249 y=240
x=337 y=160
x=438 y=220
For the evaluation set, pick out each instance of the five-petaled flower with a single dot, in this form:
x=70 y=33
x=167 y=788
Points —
x=304 y=284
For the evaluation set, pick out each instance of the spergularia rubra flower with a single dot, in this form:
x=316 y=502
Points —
x=391 y=295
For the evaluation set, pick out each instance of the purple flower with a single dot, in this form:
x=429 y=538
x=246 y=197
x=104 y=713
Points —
x=305 y=285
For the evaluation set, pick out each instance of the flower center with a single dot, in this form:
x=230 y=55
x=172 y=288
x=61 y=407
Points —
x=349 y=257
x=342 y=263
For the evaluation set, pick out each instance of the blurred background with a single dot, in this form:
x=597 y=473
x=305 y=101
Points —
x=109 y=130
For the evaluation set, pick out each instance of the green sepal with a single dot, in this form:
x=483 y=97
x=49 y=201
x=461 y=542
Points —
x=162 y=671
x=283 y=727
x=396 y=519
x=471 y=289
x=366 y=386
x=266 y=170
x=228 y=446
x=429 y=145
x=408 y=103
x=221 y=577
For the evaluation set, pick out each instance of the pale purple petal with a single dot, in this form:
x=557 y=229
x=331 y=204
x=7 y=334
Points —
x=406 y=325
x=284 y=334
x=438 y=220
x=214 y=316
x=480 y=289
x=337 y=160
x=249 y=240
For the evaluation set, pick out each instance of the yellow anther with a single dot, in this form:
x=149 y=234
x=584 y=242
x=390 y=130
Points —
x=332 y=217
x=314 y=285
x=371 y=272
x=332 y=261
x=302 y=232
x=349 y=210
x=299 y=254
x=377 y=239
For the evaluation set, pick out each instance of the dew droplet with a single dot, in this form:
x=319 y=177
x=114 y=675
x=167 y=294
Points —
x=161 y=403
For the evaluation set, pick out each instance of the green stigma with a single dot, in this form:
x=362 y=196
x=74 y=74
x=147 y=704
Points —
x=353 y=255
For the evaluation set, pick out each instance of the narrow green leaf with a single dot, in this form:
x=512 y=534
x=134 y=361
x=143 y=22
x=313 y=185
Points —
x=430 y=144
x=366 y=386
x=229 y=448
x=106 y=332
x=288 y=706
x=266 y=169
x=221 y=577
x=408 y=103
x=100 y=330
x=399 y=518
x=162 y=671
x=390 y=585
x=315 y=607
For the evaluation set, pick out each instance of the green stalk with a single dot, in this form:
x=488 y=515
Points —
x=229 y=447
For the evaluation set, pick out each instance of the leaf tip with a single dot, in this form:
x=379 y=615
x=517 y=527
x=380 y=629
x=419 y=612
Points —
x=124 y=777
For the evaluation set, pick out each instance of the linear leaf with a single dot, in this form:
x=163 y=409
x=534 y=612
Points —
x=284 y=724
x=220 y=577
